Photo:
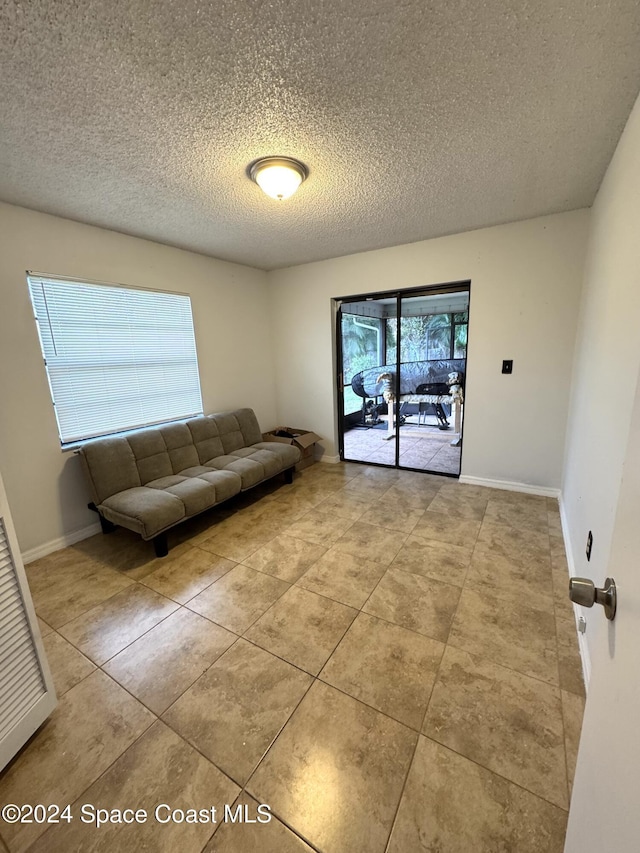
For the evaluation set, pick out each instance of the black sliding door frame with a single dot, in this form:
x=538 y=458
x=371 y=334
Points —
x=399 y=295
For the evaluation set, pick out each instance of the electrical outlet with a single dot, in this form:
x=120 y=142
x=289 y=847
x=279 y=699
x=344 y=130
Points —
x=589 y=545
x=507 y=365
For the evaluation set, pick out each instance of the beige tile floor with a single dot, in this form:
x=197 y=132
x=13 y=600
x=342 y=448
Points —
x=387 y=659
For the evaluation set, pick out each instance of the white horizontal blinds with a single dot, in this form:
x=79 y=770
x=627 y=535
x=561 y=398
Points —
x=21 y=681
x=117 y=358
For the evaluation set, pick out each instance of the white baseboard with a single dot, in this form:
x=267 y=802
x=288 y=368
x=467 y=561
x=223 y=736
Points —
x=582 y=639
x=63 y=542
x=509 y=486
x=332 y=460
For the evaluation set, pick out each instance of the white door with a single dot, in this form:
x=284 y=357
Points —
x=27 y=695
x=605 y=806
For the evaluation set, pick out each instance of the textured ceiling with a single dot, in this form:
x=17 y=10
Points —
x=415 y=118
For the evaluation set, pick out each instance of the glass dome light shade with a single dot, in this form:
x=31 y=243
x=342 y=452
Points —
x=278 y=177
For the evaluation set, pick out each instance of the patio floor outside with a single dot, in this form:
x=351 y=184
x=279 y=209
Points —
x=422 y=446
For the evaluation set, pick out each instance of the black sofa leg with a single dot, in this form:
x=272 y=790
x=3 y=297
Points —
x=106 y=525
x=288 y=476
x=160 y=545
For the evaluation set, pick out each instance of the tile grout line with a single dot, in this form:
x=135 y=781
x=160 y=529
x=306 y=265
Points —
x=481 y=657
x=282 y=820
x=496 y=773
x=453 y=617
x=50 y=828
x=510 y=668
x=435 y=681
x=348 y=696
x=402 y=791
x=128 y=645
x=386 y=714
x=503 y=665
x=138 y=699
x=566 y=756
x=383 y=575
x=451 y=623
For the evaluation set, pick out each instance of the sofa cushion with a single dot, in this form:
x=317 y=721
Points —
x=196 y=494
x=229 y=431
x=150 y=451
x=269 y=461
x=227 y=483
x=110 y=467
x=241 y=452
x=180 y=447
x=250 y=472
x=165 y=482
x=200 y=488
x=287 y=454
x=147 y=511
x=206 y=438
x=237 y=429
x=249 y=426
x=196 y=471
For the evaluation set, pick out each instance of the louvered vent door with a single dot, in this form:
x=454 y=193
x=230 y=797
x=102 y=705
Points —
x=26 y=690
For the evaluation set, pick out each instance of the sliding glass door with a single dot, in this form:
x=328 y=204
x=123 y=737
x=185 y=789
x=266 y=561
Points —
x=402 y=371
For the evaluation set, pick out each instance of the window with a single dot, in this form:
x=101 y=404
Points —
x=117 y=358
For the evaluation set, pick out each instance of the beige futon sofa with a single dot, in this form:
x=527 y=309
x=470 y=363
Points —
x=151 y=480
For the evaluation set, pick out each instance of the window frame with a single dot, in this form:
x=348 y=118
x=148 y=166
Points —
x=175 y=318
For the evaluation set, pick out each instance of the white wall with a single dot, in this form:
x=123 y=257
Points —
x=230 y=307
x=525 y=287
x=607 y=362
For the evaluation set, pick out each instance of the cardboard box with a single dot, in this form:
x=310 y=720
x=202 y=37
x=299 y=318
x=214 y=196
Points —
x=303 y=440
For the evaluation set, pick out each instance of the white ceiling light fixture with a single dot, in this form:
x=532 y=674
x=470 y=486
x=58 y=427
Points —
x=278 y=177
